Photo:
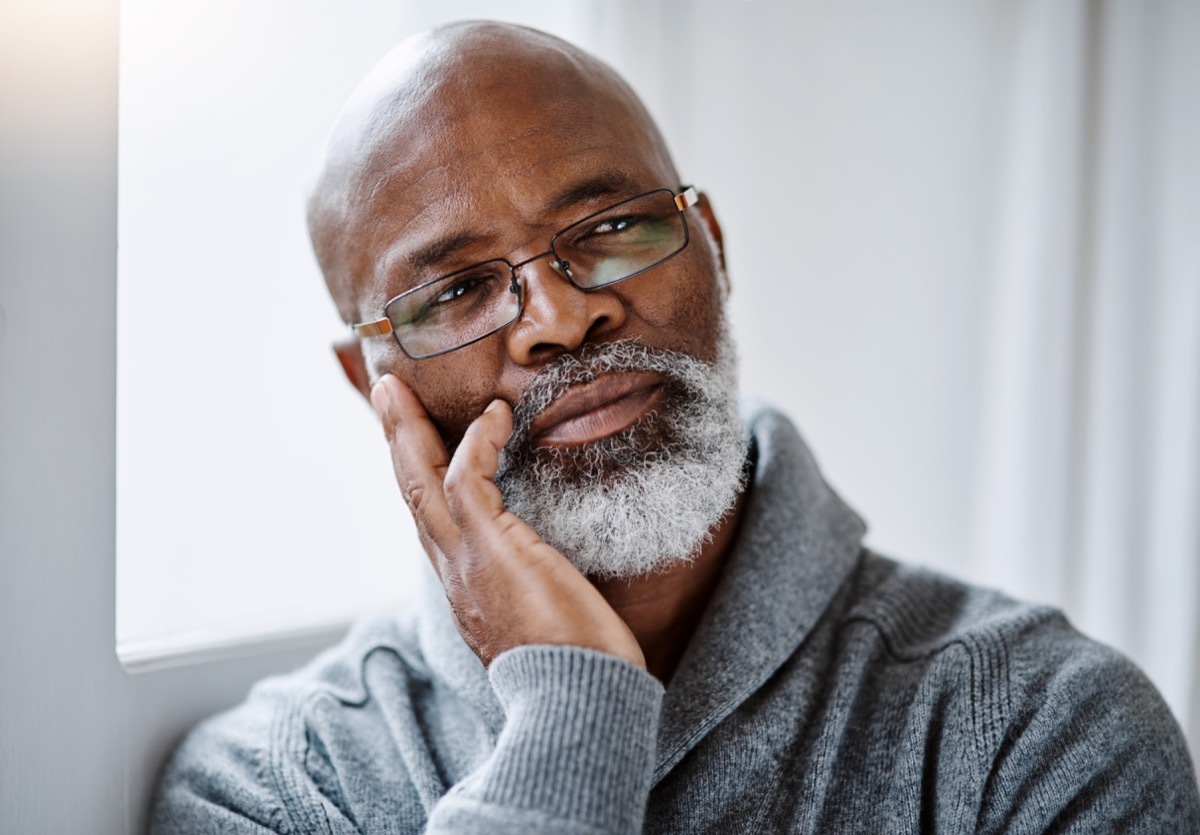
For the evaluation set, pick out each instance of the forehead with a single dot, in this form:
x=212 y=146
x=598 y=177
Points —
x=488 y=164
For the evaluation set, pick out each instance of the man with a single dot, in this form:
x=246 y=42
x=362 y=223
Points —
x=649 y=612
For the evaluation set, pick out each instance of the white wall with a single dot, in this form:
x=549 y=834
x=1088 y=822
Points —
x=850 y=154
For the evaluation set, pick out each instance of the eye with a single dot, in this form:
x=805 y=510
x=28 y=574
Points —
x=631 y=231
x=460 y=287
x=612 y=225
x=453 y=299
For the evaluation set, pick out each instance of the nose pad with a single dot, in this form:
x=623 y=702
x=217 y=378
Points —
x=560 y=269
x=563 y=268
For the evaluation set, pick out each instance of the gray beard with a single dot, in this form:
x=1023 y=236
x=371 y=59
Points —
x=645 y=498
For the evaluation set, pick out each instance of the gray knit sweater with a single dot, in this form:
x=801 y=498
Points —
x=826 y=690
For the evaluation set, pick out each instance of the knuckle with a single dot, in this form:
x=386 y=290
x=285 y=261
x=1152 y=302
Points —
x=456 y=488
x=455 y=480
x=415 y=494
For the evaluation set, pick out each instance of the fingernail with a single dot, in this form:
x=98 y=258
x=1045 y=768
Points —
x=382 y=396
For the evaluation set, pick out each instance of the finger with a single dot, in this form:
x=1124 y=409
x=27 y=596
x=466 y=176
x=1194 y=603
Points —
x=475 y=502
x=419 y=459
x=470 y=488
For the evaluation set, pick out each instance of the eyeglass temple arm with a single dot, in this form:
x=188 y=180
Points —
x=377 y=328
x=687 y=198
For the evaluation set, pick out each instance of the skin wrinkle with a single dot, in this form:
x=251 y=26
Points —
x=570 y=206
x=534 y=224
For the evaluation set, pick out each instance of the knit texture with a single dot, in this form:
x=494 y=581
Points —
x=826 y=689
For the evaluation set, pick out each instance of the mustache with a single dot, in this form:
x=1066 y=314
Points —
x=584 y=366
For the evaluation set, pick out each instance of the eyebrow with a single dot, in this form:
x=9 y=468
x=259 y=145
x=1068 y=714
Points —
x=604 y=184
x=437 y=251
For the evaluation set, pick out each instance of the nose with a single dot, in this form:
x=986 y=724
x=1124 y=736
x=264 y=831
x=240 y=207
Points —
x=558 y=316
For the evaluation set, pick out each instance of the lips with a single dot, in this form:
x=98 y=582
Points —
x=597 y=409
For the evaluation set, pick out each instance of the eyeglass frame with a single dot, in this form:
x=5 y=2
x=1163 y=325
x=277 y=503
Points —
x=684 y=200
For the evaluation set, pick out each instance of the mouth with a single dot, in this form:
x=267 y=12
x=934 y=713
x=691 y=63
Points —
x=597 y=409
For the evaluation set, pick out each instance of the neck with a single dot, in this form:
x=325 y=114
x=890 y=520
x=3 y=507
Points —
x=663 y=609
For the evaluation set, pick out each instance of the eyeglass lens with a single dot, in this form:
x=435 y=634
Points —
x=602 y=249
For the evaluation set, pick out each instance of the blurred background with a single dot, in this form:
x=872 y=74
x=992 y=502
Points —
x=963 y=240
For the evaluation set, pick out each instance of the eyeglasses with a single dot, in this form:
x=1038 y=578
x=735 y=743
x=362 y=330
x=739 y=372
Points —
x=614 y=244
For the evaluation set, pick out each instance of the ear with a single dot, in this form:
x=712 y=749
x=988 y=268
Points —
x=709 y=219
x=350 y=355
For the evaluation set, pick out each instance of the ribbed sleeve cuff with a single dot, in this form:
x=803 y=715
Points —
x=579 y=737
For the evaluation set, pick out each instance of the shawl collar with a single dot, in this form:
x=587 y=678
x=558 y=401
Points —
x=797 y=544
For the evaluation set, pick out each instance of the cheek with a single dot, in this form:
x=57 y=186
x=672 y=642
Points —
x=685 y=309
x=455 y=390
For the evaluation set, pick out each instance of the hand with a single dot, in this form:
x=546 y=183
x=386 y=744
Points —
x=506 y=586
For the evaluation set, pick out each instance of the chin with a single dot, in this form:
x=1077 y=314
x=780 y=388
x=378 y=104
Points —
x=646 y=498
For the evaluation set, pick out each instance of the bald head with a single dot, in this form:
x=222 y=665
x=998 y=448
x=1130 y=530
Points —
x=450 y=112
